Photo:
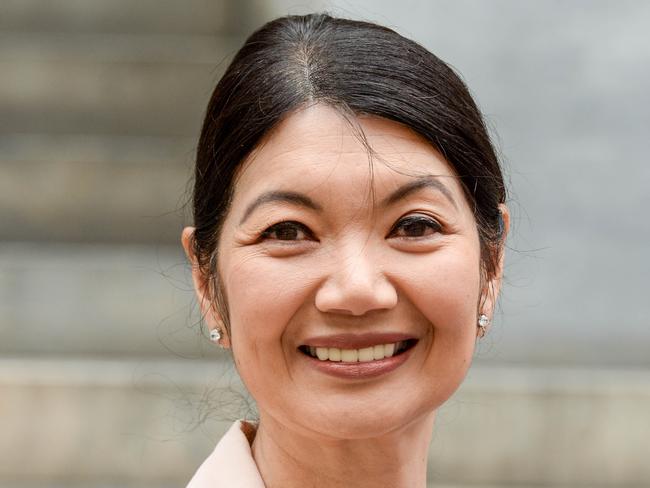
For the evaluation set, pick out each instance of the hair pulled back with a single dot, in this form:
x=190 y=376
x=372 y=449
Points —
x=359 y=68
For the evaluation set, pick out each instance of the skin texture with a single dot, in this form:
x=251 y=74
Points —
x=350 y=267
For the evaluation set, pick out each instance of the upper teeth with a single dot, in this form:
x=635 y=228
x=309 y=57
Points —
x=364 y=355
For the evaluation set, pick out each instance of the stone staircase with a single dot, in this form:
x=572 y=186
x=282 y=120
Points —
x=100 y=104
x=105 y=377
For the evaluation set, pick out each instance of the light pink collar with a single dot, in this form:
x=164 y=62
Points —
x=231 y=464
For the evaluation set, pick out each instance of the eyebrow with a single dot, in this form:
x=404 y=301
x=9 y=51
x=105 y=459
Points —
x=281 y=196
x=417 y=185
x=304 y=201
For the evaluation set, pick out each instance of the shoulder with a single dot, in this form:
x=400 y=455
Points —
x=231 y=464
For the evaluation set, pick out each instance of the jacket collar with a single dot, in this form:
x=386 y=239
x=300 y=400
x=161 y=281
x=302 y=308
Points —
x=231 y=464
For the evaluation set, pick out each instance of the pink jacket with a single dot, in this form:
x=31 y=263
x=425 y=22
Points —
x=231 y=464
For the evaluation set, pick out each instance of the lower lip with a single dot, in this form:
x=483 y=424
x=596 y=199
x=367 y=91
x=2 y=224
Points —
x=359 y=371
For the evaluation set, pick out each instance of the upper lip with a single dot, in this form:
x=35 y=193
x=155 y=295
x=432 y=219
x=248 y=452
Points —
x=357 y=341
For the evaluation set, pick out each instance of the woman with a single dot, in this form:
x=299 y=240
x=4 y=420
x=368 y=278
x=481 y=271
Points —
x=348 y=244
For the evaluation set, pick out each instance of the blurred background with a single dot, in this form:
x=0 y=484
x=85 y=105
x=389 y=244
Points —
x=105 y=377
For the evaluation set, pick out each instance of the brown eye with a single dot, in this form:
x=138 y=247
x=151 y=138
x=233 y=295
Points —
x=415 y=226
x=287 y=231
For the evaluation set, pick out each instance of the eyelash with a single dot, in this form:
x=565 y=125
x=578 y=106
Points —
x=297 y=227
x=286 y=225
x=411 y=219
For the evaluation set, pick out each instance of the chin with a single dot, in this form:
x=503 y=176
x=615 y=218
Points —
x=365 y=420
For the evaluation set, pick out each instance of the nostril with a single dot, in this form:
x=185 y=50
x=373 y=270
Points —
x=357 y=298
x=342 y=311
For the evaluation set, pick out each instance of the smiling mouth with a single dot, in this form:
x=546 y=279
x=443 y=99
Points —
x=364 y=355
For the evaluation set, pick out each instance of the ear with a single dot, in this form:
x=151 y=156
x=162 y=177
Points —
x=209 y=311
x=493 y=286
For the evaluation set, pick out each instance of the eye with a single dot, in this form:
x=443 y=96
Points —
x=287 y=231
x=414 y=226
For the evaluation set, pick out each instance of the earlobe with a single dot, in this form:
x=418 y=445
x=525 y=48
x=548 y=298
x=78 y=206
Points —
x=486 y=306
x=493 y=286
x=201 y=283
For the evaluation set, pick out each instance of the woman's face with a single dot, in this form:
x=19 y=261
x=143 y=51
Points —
x=326 y=253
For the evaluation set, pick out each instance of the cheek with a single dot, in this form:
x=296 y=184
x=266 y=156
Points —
x=444 y=288
x=452 y=309
x=263 y=296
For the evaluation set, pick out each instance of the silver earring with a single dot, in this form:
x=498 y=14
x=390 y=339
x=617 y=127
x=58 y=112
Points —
x=215 y=334
x=483 y=322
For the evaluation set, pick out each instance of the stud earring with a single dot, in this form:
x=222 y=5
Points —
x=483 y=322
x=215 y=334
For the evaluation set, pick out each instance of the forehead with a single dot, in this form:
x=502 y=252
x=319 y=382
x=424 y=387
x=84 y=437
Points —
x=317 y=146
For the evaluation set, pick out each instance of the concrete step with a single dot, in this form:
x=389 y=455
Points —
x=76 y=300
x=115 y=48
x=187 y=16
x=72 y=96
x=140 y=423
x=145 y=69
x=84 y=188
x=110 y=423
x=113 y=66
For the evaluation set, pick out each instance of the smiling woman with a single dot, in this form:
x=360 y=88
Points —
x=348 y=243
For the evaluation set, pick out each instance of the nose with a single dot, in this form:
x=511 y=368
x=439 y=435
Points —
x=356 y=285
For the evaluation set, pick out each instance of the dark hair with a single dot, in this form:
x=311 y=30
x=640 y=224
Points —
x=359 y=68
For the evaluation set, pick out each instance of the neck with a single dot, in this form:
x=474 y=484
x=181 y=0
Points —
x=288 y=459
